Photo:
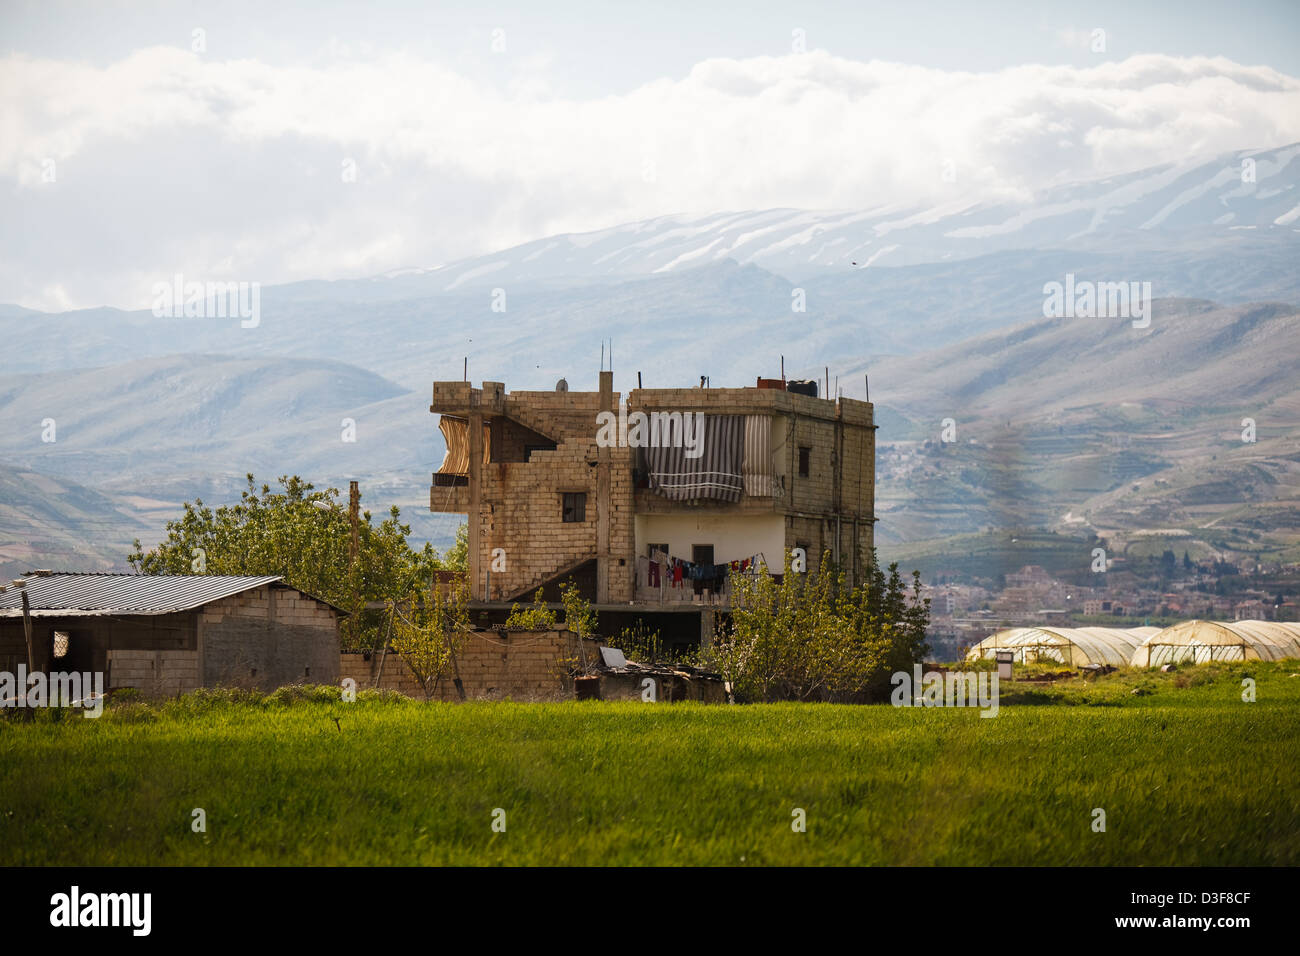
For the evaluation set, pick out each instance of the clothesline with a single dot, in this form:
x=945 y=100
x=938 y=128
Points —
x=676 y=570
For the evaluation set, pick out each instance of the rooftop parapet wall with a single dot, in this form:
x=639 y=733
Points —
x=574 y=413
x=462 y=399
x=750 y=401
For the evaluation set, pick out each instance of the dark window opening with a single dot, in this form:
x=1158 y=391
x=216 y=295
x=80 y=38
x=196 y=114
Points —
x=575 y=506
x=804 y=455
x=650 y=549
x=703 y=554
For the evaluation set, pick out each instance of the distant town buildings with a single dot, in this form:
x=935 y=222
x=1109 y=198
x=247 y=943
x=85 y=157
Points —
x=961 y=615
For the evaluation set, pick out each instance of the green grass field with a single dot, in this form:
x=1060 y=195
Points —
x=1186 y=772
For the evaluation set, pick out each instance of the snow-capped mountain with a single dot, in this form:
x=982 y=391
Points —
x=186 y=406
x=1161 y=207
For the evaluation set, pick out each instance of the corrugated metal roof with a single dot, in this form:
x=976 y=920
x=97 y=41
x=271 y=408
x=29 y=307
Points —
x=67 y=594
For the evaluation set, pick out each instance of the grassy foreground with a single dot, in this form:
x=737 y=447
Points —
x=1186 y=773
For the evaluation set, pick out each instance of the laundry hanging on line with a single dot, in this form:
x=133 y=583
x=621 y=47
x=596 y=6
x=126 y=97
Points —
x=663 y=568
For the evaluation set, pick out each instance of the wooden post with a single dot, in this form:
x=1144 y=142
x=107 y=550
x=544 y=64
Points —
x=354 y=521
x=27 y=633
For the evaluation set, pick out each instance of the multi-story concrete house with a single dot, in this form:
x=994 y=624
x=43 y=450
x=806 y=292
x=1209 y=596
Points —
x=647 y=500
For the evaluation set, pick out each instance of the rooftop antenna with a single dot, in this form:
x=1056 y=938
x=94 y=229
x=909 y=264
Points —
x=866 y=388
x=465 y=377
x=602 y=355
x=638 y=379
x=783 y=371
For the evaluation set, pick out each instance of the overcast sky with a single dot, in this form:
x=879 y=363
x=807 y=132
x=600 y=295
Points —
x=291 y=141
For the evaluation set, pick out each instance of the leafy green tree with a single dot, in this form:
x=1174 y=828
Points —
x=579 y=618
x=438 y=627
x=457 y=556
x=808 y=637
x=578 y=614
x=302 y=534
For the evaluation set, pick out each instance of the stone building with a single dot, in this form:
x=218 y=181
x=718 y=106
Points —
x=647 y=500
x=168 y=634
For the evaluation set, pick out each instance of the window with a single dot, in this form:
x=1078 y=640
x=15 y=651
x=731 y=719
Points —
x=650 y=549
x=575 y=506
x=805 y=454
x=703 y=554
x=61 y=644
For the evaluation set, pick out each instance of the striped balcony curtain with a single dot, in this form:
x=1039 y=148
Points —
x=715 y=475
x=455 y=432
x=757 y=469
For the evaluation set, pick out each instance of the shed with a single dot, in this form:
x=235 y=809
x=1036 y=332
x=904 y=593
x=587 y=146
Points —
x=168 y=634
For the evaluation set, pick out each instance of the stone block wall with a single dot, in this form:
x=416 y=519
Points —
x=268 y=637
x=494 y=665
x=154 y=673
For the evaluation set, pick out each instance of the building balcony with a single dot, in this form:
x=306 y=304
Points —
x=449 y=494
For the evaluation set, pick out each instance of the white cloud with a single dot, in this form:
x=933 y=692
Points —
x=171 y=162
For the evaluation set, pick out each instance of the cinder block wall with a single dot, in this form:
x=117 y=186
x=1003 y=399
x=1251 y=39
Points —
x=154 y=673
x=524 y=506
x=524 y=665
x=268 y=637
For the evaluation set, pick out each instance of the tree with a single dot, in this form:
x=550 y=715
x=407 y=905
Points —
x=579 y=618
x=440 y=628
x=1168 y=564
x=457 y=556
x=303 y=535
x=578 y=614
x=809 y=637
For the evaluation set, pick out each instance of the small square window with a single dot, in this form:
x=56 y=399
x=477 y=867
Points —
x=805 y=454
x=575 y=506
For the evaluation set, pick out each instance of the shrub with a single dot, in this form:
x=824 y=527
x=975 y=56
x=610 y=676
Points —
x=538 y=617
